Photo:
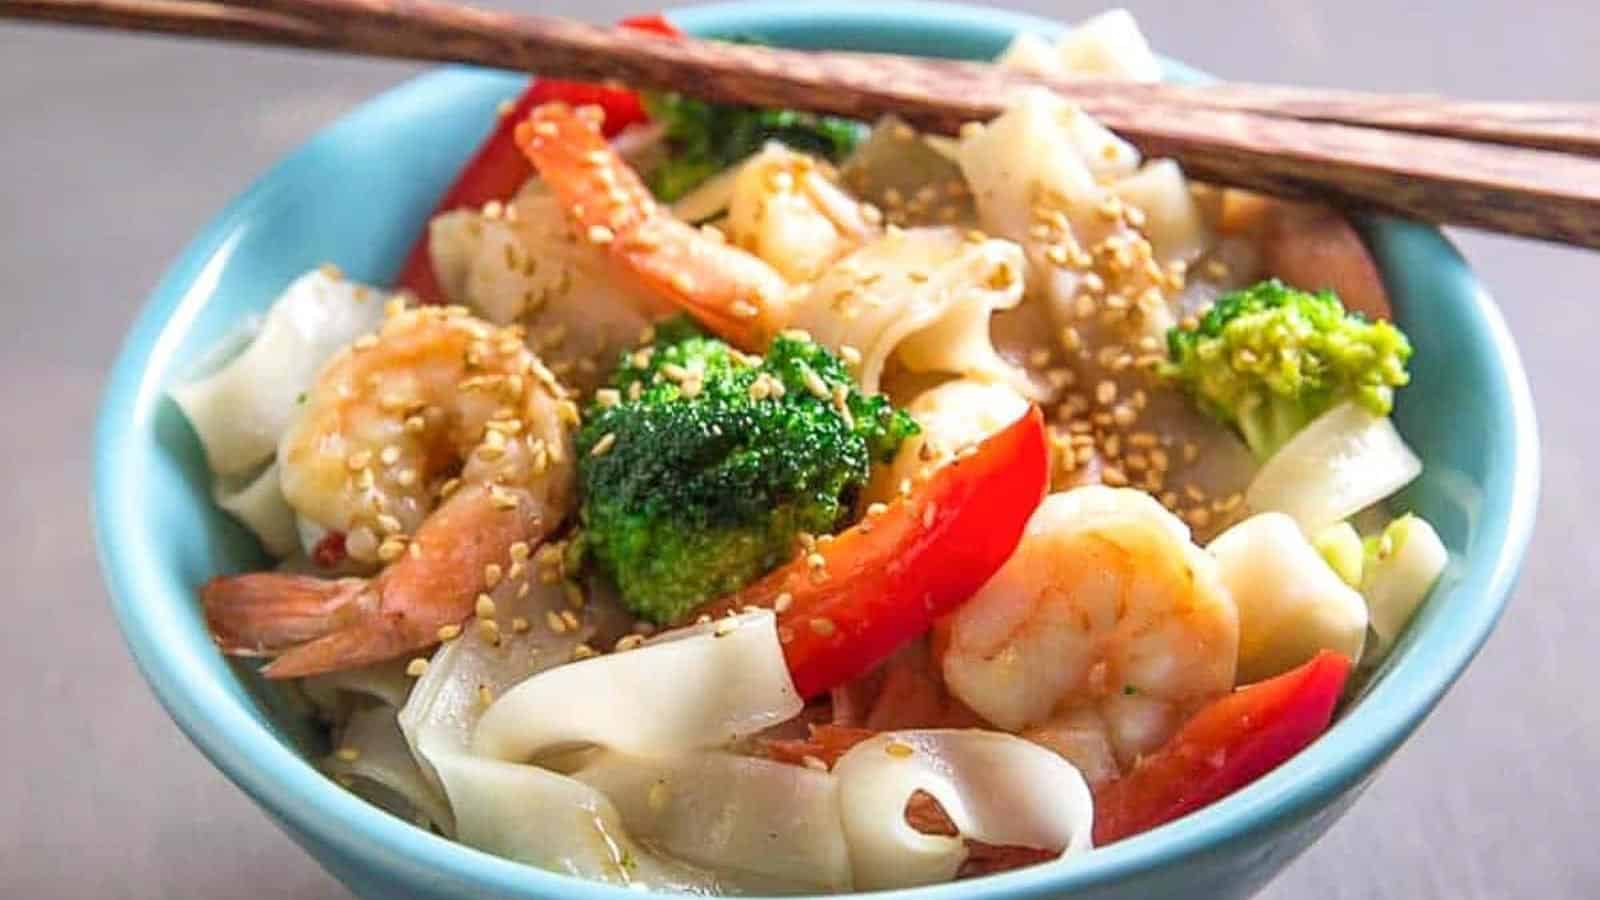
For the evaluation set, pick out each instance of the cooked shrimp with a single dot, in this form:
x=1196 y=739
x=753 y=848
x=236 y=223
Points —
x=734 y=293
x=1106 y=617
x=438 y=446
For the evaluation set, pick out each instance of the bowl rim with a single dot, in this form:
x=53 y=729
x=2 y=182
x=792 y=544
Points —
x=296 y=794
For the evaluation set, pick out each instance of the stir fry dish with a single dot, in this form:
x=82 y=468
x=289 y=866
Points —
x=732 y=500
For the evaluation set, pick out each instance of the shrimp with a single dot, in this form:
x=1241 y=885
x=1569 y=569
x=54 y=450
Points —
x=731 y=291
x=1104 y=631
x=440 y=447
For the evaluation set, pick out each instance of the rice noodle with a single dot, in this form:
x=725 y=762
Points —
x=995 y=788
x=726 y=680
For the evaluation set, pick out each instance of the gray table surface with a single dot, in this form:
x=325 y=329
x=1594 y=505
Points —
x=113 y=151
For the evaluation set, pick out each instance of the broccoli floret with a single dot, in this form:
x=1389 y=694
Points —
x=706 y=138
x=1268 y=359
x=700 y=466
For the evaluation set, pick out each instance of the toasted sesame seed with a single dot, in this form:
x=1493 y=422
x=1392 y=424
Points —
x=417 y=667
x=449 y=632
x=489 y=630
x=485 y=696
x=822 y=627
x=898 y=750
x=348 y=754
x=583 y=651
x=603 y=445
x=878 y=509
x=391 y=549
x=782 y=602
x=1105 y=393
x=485 y=607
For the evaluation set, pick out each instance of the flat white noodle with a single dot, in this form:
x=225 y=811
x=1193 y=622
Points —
x=240 y=410
x=1046 y=151
x=784 y=210
x=923 y=296
x=775 y=824
x=995 y=787
x=1291 y=602
x=446 y=703
x=1344 y=461
x=259 y=505
x=376 y=754
x=386 y=682
x=1174 y=224
x=536 y=816
x=1031 y=53
x=728 y=681
x=1109 y=45
x=1397 y=582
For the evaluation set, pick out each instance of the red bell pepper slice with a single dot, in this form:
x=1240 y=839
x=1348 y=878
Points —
x=499 y=168
x=1224 y=747
x=884 y=580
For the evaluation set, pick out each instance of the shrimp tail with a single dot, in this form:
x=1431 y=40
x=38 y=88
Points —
x=264 y=613
x=357 y=645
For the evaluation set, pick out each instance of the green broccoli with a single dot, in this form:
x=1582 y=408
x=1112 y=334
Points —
x=700 y=466
x=1268 y=359
x=706 y=138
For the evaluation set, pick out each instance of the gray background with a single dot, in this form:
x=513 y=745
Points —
x=114 y=150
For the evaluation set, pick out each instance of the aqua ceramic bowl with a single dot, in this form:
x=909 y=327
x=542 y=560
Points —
x=359 y=192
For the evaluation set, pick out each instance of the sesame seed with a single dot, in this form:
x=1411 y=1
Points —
x=628 y=642
x=878 y=509
x=816 y=560
x=502 y=498
x=604 y=444
x=348 y=754
x=583 y=651
x=814 y=383
x=898 y=750
x=1105 y=392
x=485 y=695
x=484 y=607
x=555 y=622
x=391 y=549
x=449 y=632
x=782 y=602
x=725 y=628
x=489 y=630
x=417 y=667
x=823 y=627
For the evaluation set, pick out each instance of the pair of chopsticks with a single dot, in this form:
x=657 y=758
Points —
x=1530 y=169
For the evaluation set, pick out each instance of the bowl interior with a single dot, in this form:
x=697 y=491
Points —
x=356 y=195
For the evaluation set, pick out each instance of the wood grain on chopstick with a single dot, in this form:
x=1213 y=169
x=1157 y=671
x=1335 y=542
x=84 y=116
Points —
x=1240 y=135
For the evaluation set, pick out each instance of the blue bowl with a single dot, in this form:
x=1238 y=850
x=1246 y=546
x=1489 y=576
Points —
x=359 y=192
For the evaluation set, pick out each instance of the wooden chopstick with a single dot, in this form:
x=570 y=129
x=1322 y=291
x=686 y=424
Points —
x=1283 y=141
